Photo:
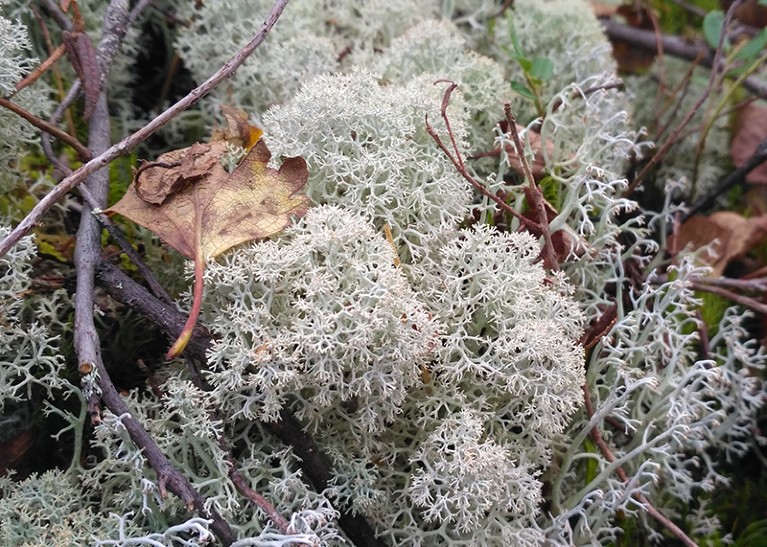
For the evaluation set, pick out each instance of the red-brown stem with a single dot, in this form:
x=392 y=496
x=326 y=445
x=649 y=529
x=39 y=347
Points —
x=84 y=153
x=197 y=291
x=458 y=163
x=41 y=68
x=663 y=150
x=550 y=256
x=746 y=301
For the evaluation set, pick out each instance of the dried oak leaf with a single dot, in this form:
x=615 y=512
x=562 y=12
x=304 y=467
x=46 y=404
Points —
x=750 y=130
x=189 y=200
x=734 y=235
x=238 y=131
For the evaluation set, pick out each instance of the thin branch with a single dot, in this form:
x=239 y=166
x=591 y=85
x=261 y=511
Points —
x=167 y=475
x=681 y=48
x=81 y=150
x=672 y=139
x=746 y=301
x=257 y=499
x=130 y=142
x=87 y=255
x=738 y=176
x=40 y=69
x=548 y=252
x=458 y=163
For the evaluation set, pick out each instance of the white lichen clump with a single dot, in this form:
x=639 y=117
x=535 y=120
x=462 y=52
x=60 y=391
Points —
x=321 y=315
x=320 y=321
x=368 y=151
x=29 y=358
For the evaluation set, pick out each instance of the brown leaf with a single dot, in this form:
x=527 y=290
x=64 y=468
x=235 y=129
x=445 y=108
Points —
x=172 y=171
x=752 y=14
x=189 y=187
x=736 y=236
x=750 y=131
x=14 y=448
x=239 y=131
x=629 y=57
x=189 y=200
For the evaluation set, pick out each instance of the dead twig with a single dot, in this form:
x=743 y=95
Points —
x=674 y=46
x=712 y=287
x=548 y=252
x=738 y=176
x=314 y=462
x=81 y=150
x=457 y=160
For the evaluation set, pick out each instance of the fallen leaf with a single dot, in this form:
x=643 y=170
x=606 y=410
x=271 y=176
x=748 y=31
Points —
x=629 y=57
x=751 y=13
x=239 y=131
x=603 y=10
x=14 y=448
x=189 y=200
x=750 y=130
x=732 y=236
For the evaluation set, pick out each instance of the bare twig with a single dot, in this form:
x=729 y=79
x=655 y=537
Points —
x=39 y=70
x=314 y=463
x=243 y=488
x=87 y=255
x=607 y=453
x=738 y=176
x=168 y=476
x=548 y=252
x=746 y=301
x=130 y=142
x=674 y=46
x=458 y=162
x=672 y=138
x=82 y=151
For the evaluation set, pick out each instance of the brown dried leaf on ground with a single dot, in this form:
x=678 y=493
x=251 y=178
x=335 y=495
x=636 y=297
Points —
x=189 y=200
x=732 y=236
x=750 y=131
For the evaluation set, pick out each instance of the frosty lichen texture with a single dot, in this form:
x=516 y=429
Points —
x=505 y=331
x=29 y=357
x=461 y=477
x=15 y=62
x=368 y=151
x=669 y=412
x=435 y=50
x=320 y=316
x=693 y=167
x=311 y=42
x=470 y=355
x=48 y=510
